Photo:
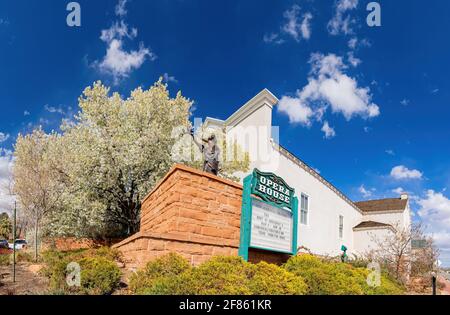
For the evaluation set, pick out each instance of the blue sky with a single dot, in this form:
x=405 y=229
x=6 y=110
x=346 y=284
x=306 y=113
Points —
x=394 y=135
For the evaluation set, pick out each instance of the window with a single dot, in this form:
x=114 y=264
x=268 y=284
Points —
x=341 y=226
x=304 y=208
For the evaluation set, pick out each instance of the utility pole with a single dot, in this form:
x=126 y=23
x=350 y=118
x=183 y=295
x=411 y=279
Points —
x=14 y=242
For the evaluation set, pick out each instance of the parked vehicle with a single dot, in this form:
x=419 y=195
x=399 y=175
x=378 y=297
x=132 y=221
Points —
x=4 y=244
x=19 y=244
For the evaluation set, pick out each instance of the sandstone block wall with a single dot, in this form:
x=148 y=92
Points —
x=189 y=212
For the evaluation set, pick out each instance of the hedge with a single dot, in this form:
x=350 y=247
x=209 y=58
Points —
x=219 y=276
x=305 y=274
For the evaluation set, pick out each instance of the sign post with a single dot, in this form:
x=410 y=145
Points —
x=269 y=215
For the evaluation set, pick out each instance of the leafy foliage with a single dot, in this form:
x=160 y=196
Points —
x=99 y=272
x=171 y=275
x=99 y=275
x=5 y=226
x=88 y=180
x=330 y=278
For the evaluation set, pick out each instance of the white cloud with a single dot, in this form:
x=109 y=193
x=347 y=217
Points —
x=328 y=86
x=366 y=193
x=273 y=38
x=297 y=111
x=121 y=8
x=435 y=213
x=398 y=191
x=54 y=110
x=405 y=102
x=355 y=43
x=390 y=152
x=402 y=172
x=26 y=113
x=168 y=78
x=342 y=22
x=3 y=137
x=295 y=26
x=328 y=131
x=434 y=91
x=6 y=164
x=353 y=60
x=119 y=62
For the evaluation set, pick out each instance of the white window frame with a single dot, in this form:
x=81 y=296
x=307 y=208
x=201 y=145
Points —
x=341 y=226
x=306 y=216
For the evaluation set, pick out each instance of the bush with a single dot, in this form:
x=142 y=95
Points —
x=269 y=279
x=22 y=256
x=99 y=276
x=99 y=272
x=330 y=278
x=157 y=273
x=4 y=260
x=172 y=275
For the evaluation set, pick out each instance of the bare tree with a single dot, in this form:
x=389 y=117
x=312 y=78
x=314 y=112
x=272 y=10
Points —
x=396 y=253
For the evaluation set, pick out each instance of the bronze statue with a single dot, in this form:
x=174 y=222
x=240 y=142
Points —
x=210 y=151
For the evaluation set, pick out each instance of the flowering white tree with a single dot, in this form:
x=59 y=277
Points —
x=109 y=157
x=35 y=184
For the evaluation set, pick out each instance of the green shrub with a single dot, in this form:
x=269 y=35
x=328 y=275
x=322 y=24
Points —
x=4 y=260
x=22 y=256
x=218 y=276
x=171 y=275
x=99 y=272
x=331 y=278
x=149 y=280
x=269 y=279
x=99 y=275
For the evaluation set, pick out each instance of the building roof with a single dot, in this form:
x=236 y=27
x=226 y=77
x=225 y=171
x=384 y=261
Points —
x=381 y=205
x=371 y=224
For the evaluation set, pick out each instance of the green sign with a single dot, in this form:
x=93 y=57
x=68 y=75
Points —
x=269 y=187
x=269 y=215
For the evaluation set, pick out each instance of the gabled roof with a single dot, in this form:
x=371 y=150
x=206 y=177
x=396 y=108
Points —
x=382 y=205
x=265 y=97
x=371 y=224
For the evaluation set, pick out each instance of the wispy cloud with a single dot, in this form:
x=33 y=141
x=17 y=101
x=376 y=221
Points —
x=328 y=131
x=297 y=25
x=405 y=102
x=366 y=193
x=119 y=62
x=169 y=78
x=390 y=152
x=342 y=23
x=3 y=137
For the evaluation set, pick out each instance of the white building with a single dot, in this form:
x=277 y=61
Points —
x=327 y=218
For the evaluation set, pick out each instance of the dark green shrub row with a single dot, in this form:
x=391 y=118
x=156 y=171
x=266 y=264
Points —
x=100 y=274
x=306 y=274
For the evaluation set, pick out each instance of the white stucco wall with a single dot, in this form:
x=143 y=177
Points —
x=321 y=234
x=251 y=127
x=365 y=240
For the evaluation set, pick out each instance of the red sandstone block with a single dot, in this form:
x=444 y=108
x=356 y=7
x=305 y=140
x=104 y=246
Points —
x=155 y=245
x=228 y=233
x=229 y=209
x=213 y=205
x=193 y=214
x=212 y=231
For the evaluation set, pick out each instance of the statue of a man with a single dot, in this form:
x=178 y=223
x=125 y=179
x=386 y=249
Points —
x=210 y=151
